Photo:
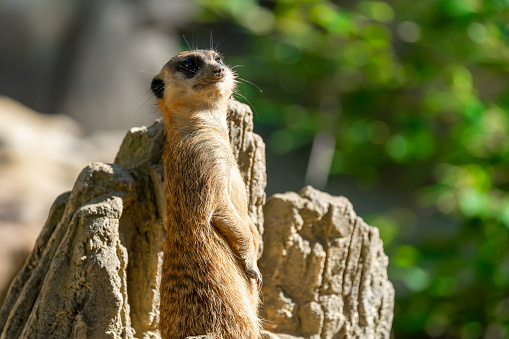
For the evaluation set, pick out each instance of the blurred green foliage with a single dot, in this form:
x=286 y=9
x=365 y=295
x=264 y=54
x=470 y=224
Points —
x=417 y=96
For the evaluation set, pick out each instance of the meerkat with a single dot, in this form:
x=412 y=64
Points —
x=210 y=279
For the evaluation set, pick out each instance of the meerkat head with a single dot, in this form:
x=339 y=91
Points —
x=195 y=79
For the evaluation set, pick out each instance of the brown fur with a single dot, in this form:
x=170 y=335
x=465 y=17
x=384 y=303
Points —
x=209 y=276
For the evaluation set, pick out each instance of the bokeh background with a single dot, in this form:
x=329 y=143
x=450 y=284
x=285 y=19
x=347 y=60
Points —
x=401 y=106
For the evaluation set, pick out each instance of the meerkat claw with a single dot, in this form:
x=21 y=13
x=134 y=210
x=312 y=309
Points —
x=256 y=275
x=259 y=281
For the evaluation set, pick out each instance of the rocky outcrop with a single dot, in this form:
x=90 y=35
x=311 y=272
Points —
x=74 y=282
x=41 y=156
x=95 y=269
x=249 y=149
x=325 y=269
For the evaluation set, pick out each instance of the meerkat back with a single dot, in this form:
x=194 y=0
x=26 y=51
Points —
x=210 y=279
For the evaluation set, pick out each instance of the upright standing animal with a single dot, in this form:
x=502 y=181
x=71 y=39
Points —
x=210 y=278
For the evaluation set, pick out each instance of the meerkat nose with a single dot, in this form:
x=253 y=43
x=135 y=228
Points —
x=219 y=71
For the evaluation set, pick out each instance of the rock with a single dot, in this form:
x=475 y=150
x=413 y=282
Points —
x=249 y=149
x=40 y=157
x=70 y=285
x=270 y=335
x=325 y=270
x=95 y=269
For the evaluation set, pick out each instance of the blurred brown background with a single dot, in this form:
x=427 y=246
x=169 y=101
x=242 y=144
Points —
x=74 y=77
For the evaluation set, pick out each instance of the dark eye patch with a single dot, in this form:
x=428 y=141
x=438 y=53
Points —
x=219 y=60
x=157 y=87
x=189 y=66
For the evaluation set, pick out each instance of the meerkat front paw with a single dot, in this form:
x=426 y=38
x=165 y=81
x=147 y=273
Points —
x=254 y=273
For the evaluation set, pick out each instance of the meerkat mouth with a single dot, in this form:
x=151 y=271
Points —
x=212 y=83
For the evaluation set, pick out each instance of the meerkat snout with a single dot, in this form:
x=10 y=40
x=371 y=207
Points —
x=219 y=71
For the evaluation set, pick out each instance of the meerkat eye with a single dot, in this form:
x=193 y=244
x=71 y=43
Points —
x=219 y=60
x=189 y=65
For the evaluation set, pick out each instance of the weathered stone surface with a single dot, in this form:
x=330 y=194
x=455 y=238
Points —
x=76 y=267
x=41 y=155
x=325 y=270
x=249 y=149
x=95 y=269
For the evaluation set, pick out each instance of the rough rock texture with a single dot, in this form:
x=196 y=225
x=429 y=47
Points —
x=325 y=270
x=95 y=269
x=75 y=276
x=249 y=149
x=41 y=156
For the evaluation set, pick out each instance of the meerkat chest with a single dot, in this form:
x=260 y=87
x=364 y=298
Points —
x=199 y=159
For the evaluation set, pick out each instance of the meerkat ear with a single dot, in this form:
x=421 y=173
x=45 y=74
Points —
x=157 y=87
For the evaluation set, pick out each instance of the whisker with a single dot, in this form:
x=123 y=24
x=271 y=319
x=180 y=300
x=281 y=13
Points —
x=249 y=82
x=233 y=67
x=141 y=94
x=151 y=73
x=187 y=42
x=220 y=42
x=250 y=104
x=139 y=109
